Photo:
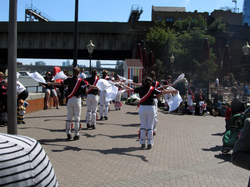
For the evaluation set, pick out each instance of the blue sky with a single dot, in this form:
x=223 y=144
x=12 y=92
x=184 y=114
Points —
x=107 y=10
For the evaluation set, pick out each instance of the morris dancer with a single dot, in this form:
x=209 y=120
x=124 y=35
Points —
x=104 y=105
x=167 y=83
x=191 y=91
x=118 y=103
x=147 y=110
x=74 y=100
x=92 y=101
x=157 y=86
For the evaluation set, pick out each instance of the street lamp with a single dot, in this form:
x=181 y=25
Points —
x=246 y=49
x=172 y=62
x=90 y=48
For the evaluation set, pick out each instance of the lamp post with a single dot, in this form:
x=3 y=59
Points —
x=90 y=48
x=246 y=49
x=172 y=63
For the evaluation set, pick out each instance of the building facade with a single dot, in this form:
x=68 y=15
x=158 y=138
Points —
x=246 y=13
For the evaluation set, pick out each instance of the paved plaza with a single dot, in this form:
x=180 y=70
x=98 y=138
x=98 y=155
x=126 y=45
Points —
x=186 y=150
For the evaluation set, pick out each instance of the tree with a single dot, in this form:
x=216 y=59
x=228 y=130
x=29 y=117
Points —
x=159 y=69
x=205 y=70
x=217 y=26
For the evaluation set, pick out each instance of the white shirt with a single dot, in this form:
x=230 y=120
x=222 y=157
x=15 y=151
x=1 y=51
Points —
x=82 y=76
x=217 y=81
x=19 y=87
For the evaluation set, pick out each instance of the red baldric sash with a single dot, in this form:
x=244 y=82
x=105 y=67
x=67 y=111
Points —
x=191 y=92
x=78 y=82
x=96 y=79
x=156 y=84
x=144 y=98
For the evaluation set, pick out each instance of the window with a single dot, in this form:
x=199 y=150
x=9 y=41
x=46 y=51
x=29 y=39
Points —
x=169 y=19
x=180 y=19
x=160 y=18
x=193 y=19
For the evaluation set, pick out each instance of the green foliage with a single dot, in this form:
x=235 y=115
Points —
x=217 y=26
x=159 y=69
x=204 y=71
x=185 y=42
x=189 y=24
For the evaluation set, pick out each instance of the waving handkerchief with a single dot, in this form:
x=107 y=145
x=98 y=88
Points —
x=174 y=102
x=59 y=75
x=37 y=77
x=182 y=76
x=103 y=84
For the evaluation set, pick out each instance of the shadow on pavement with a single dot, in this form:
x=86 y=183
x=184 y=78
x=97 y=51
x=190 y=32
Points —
x=225 y=158
x=218 y=134
x=133 y=113
x=216 y=148
x=129 y=136
x=132 y=125
x=47 y=116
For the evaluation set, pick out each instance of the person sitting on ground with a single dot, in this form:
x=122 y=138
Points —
x=49 y=90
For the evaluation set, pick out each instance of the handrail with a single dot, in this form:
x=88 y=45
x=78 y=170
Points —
x=35 y=9
x=27 y=87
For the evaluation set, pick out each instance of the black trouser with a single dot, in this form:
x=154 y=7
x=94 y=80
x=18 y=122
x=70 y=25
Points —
x=23 y=95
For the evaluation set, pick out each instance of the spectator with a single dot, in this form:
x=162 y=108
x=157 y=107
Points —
x=49 y=90
x=82 y=74
x=217 y=82
x=218 y=99
x=24 y=162
x=21 y=109
x=241 y=152
x=228 y=116
x=236 y=105
x=226 y=82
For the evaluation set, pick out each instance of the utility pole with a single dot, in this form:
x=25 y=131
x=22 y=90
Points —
x=12 y=67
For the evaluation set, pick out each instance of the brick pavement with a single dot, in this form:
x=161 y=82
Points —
x=186 y=150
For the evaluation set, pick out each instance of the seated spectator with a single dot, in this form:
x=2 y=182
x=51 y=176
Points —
x=218 y=99
x=49 y=90
x=226 y=82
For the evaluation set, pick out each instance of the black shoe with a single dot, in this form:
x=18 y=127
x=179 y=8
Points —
x=106 y=118
x=119 y=108
x=149 y=146
x=76 y=138
x=93 y=126
x=69 y=136
x=101 y=118
x=23 y=122
x=88 y=125
x=143 y=146
x=19 y=122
